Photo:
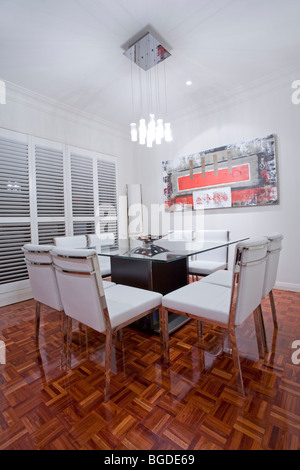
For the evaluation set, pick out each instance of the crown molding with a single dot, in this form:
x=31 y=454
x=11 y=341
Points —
x=16 y=93
x=248 y=92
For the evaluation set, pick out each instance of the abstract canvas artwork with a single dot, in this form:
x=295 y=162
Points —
x=236 y=175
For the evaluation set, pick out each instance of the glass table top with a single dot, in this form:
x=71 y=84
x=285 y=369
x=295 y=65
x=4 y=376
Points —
x=162 y=250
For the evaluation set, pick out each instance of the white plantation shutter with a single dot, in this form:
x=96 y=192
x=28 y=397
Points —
x=107 y=197
x=49 y=230
x=12 y=238
x=50 y=191
x=14 y=205
x=49 y=182
x=14 y=178
x=82 y=186
x=47 y=190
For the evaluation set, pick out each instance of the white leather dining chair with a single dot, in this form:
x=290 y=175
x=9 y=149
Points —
x=42 y=280
x=225 y=307
x=274 y=249
x=210 y=261
x=181 y=235
x=84 y=299
x=224 y=278
x=102 y=240
x=71 y=241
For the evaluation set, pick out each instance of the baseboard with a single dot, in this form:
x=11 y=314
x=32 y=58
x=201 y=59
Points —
x=287 y=286
x=13 y=297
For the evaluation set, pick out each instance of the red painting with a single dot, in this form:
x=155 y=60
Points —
x=245 y=173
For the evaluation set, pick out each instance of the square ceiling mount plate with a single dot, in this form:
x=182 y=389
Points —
x=147 y=52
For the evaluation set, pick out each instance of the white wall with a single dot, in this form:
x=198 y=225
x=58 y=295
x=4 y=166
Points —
x=264 y=110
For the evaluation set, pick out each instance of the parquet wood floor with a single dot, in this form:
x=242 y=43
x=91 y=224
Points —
x=191 y=405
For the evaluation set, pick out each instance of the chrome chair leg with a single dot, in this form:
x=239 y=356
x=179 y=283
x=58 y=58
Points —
x=200 y=329
x=263 y=330
x=259 y=333
x=236 y=362
x=274 y=314
x=37 y=320
x=108 y=349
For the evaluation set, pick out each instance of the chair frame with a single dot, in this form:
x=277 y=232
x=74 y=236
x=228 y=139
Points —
x=230 y=326
x=109 y=331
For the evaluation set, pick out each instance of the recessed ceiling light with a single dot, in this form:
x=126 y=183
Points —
x=188 y=82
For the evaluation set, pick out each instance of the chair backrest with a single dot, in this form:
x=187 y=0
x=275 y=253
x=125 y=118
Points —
x=220 y=254
x=103 y=239
x=181 y=235
x=274 y=248
x=250 y=264
x=42 y=275
x=80 y=285
x=76 y=241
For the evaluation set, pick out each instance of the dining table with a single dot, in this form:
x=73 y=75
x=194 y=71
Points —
x=159 y=264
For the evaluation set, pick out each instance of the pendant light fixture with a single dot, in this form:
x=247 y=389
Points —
x=148 y=84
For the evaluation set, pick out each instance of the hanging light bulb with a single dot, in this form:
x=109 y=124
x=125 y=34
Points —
x=149 y=140
x=142 y=132
x=151 y=127
x=168 y=132
x=159 y=131
x=133 y=132
x=151 y=131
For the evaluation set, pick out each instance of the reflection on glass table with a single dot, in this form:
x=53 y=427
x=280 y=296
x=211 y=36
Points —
x=161 y=249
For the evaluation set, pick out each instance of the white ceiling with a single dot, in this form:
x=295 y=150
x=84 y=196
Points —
x=71 y=50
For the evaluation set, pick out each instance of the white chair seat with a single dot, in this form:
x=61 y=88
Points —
x=205 y=267
x=203 y=300
x=133 y=301
x=108 y=284
x=220 y=278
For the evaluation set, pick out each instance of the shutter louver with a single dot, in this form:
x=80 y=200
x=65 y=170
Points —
x=49 y=182
x=81 y=228
x=14 y=179
x=107 y=197
x=12 y=264
x=82 y=186
x=49 y=230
